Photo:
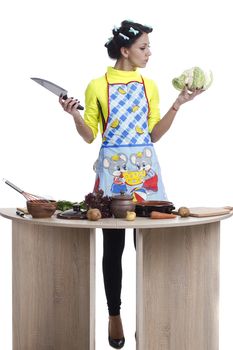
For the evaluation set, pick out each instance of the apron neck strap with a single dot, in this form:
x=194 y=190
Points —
x=106 y=77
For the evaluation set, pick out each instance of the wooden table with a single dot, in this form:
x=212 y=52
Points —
x=54 y=282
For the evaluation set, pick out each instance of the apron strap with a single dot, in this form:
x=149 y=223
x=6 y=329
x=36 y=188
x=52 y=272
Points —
x=101 y=114
x=100 y=109
x=148 y=104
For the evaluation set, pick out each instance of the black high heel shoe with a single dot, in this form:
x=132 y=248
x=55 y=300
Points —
x=116 y=343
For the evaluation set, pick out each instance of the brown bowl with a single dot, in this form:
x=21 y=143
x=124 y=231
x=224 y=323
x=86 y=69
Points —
x=145 y=208
x=41 y=209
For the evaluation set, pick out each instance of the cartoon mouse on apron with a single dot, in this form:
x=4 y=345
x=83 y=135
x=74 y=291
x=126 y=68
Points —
x=127 y=160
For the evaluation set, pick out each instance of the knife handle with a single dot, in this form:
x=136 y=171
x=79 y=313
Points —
x=79 y=106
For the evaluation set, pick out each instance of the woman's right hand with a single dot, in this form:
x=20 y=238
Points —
x=70 y=105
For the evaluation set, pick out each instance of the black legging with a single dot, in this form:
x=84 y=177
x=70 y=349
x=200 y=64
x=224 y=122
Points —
x=113 y=246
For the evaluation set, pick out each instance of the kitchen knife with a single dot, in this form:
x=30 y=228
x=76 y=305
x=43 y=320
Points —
x=57 y=90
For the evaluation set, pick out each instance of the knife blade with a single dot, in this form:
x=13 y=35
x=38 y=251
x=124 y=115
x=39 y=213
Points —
x=54 y=88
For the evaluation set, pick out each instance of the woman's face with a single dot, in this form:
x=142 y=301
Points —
x=139 y=52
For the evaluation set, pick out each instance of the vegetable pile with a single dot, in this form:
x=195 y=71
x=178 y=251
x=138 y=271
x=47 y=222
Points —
x=93 y=200
x=193 y=78
x=99 y=201
x=65 y=205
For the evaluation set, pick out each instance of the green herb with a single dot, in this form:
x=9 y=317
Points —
x=65 y=205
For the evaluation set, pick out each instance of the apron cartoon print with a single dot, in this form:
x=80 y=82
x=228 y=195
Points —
x=127 y=160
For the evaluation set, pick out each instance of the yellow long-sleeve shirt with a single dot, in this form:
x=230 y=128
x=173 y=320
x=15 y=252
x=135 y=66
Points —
x=96 y=98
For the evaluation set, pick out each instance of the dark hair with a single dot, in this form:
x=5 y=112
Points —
x=125 y=36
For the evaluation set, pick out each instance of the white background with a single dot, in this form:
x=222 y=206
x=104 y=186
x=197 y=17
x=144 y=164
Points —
x=41 y=152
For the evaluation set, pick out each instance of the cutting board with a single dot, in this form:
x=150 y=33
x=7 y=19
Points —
x=208 y=211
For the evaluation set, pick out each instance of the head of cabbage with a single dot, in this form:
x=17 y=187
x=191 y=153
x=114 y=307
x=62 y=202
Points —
x=193 y=78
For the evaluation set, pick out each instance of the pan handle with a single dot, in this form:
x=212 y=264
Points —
x=13 y=186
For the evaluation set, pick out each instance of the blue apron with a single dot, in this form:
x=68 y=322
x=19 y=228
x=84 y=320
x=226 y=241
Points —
x=127 y=160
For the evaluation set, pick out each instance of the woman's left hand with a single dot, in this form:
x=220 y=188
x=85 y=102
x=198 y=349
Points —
x=186 y=96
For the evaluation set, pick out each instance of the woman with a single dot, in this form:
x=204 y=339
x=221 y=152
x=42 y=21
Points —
x=126 y=105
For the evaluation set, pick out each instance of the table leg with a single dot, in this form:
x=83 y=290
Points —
x=178 y=288
x=53 y=287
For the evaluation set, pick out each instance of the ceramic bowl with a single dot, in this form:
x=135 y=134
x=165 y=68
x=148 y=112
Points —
x=146 y=207
x=120 y=204
x=41 y=209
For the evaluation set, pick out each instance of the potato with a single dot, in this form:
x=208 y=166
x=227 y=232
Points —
x=93 y=214
x=183 y=212
x=130 y=216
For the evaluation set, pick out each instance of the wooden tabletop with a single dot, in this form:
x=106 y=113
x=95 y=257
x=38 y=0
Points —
x=10 y=213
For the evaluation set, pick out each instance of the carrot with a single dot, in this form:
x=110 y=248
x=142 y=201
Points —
x=158 y=215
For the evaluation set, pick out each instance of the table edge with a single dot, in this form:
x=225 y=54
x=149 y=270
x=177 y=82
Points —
x=10 y=213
